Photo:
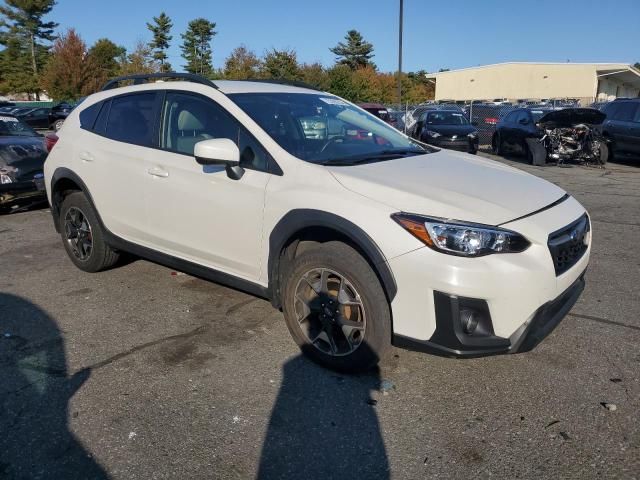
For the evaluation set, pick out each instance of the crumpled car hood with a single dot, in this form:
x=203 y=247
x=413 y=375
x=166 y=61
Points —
x=568 y=117
x=451 y=185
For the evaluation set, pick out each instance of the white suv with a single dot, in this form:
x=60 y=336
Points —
x=361 y=235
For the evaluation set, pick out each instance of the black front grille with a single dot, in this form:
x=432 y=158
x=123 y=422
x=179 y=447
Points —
x=568 y=244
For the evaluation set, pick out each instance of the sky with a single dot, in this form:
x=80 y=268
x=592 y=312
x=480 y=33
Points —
x=437 y=34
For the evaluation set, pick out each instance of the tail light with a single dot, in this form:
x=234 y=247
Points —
x=491 y=120
x=50 y=140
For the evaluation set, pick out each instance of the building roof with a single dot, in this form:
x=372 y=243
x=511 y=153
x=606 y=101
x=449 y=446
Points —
x=600 y=66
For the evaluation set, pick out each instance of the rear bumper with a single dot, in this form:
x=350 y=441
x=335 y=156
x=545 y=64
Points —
x=450 y=341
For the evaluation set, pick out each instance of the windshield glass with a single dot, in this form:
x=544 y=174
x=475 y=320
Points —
x=10 y=126
x=321 y=128
x=446 y=118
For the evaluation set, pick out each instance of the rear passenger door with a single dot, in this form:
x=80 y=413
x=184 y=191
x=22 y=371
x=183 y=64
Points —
x=197 y=212
x=114 y=162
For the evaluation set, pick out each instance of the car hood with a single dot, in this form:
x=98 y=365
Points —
x=452 y=185
x=568 y=117
x=22 y=156
x=449 y=130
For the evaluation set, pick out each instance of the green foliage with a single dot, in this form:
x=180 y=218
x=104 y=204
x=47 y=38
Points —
x=160 y=28
x=315 y=75
x=140 y=60
x=341 y=82
x=23 y=31
x=281 y=64
x=241 y=64
x=103 y=62
x=355 y=53
x=196 y=46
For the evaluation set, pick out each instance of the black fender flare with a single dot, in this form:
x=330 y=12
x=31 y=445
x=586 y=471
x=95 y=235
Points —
x=62 y=173
x=297 y=220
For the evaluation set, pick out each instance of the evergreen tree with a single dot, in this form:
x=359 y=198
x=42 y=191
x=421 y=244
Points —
x=196 y=46
x=355 y=53
x=160 y=28
x=23 y=22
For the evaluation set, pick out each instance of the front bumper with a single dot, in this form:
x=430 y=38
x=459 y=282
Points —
x=450 y=341
x=463 y=144
x=516 y=291
x=16 y=191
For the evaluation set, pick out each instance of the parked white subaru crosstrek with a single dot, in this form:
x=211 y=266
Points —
x=363 y=236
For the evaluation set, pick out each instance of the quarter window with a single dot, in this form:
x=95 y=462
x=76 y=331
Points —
x=131 y=119
x=88 y=116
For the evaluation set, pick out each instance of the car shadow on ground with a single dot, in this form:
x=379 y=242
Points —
x=324 y=425
x=35 y=390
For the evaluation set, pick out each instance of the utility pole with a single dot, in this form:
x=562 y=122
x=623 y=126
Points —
x=400 y=56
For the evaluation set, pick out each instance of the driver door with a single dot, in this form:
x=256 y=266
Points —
x=197 y=212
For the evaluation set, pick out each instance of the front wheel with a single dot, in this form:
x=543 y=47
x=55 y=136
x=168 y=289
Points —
x=335 y=308
x=57 y=125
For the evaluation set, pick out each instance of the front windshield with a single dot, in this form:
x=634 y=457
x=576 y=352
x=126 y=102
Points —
x=537 y=114
x=322 y=128
x=12 y=127
x=446 y=118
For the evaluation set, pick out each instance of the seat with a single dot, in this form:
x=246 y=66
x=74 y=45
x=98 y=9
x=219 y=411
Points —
x=191 y=130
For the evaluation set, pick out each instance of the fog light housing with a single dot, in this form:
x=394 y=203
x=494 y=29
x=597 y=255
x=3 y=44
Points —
x=469 y=321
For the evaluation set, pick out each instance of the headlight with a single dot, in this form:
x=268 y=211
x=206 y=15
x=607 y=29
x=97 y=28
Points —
x=433 y=134
x=461 y=238
x=5 y=179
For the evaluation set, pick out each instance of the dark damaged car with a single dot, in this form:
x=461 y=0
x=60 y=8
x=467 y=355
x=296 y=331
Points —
x=569 y=134
x=22 y=156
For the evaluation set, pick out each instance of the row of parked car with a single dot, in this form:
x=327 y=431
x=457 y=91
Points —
x=45 y=118
x=540 y=132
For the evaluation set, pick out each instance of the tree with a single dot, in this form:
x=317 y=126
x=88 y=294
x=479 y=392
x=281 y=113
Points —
x=160 y=29
x=355 y=53
x=341 y=82
x=102 y=64
x=65 y=75
x=139 y=61
x=24 y=20
x=241 y=64
x=281 y=64
x=315 y=75
x=15 y=68
x=196 y=46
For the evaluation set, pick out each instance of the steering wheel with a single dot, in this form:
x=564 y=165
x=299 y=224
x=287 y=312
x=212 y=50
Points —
x=331 y=141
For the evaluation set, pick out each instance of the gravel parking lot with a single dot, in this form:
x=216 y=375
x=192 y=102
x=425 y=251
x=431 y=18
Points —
x=142 y=372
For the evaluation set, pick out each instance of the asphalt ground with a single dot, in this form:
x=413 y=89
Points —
x=143 y=372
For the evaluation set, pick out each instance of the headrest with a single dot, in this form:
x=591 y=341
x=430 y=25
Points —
x=188 y=121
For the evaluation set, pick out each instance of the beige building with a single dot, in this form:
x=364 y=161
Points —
x=523 y=80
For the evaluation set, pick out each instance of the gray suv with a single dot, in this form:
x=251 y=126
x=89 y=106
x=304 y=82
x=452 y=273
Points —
x=622 y=127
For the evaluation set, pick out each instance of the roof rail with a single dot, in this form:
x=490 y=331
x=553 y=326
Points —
x=140 y=78
x=282 y=81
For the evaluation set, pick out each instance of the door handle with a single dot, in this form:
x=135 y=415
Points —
x=158 y=172
x=86 y=157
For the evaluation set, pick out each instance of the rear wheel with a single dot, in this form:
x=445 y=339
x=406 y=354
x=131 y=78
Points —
x=82 y=236
x=57 y=125
x=336 y=309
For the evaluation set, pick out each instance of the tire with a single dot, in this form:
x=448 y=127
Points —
x=82 y=235
x=57 y=125
x=356 y=349
x=496 y=145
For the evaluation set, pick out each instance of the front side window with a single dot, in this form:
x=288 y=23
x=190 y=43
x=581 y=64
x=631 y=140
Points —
x=189 y=119
x=132 y=118
x=321 y=128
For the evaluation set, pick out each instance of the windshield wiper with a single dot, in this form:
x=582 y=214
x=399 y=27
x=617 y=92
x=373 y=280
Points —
x=372 y=157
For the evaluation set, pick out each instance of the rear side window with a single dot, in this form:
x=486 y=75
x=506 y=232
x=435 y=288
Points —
x=88 y=116
x=132 y=119
x=624 y=111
